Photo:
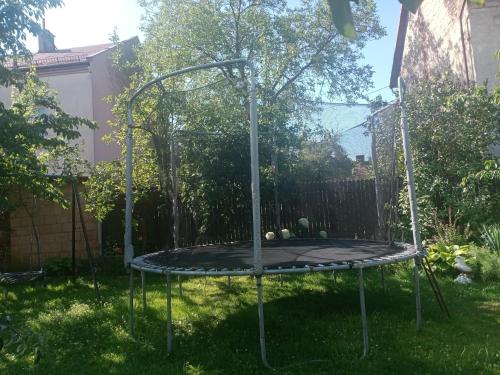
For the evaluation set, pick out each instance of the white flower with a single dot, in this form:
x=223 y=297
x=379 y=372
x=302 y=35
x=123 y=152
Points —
x=270 y=236
x=285 y=234
x=322 y=234
x=304 y=222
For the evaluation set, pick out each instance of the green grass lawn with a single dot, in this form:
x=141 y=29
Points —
x=215 y=327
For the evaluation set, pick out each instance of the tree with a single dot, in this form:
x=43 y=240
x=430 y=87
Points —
x=452 y=128
x=296 y=51
x=34 y=136
x=34 y=140
x=35 y=132
x=18 y=19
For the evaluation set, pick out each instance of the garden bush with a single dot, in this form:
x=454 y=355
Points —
x=62 y=266
x=486 y=263
x=452 y=127
x=491 y=237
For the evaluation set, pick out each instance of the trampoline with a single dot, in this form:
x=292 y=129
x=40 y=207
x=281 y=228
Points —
x=278 y=257
x=258 y=258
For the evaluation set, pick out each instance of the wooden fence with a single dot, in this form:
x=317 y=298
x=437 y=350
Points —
x=342 y=208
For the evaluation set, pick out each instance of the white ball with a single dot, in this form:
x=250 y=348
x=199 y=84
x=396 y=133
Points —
x=322 y=234
x=285 y=234
x=304 y=222
x=270 y=236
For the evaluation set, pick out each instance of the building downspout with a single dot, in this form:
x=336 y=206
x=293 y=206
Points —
x=462 y=38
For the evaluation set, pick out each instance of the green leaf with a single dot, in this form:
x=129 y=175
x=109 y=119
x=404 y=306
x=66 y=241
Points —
x=480 y=3
x=411 y=5
x=342 y=18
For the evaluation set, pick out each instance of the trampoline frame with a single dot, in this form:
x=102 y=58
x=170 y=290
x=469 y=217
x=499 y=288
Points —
x=414 y=252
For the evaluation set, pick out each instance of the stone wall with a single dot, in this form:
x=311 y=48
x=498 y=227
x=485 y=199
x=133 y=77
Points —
x=54 y=226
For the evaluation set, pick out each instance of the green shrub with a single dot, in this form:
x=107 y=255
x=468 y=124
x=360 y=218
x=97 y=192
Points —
x=487 y=263
x=452 y=127
x=62 y=266
x=484 y=262
x=491 y=237
x=442 y=256
x=110 y=265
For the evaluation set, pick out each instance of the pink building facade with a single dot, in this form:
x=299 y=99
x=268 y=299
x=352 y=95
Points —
x=84 y=79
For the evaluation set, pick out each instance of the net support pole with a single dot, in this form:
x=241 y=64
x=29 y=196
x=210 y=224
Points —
x=378 y=190
x=129 y=249
x=143 y=284
x=169 y=314
x=73 y=233
x=175 y=205
x=277 y=205
x=363 y=311
x=257 y=251
x=417 y=241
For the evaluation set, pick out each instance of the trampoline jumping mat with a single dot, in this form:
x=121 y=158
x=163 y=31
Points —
x=276 y=254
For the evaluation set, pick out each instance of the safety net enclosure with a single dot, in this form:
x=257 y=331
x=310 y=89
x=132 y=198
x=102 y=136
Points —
x=257 y=257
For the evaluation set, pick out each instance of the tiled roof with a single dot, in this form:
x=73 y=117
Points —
x=62 y=56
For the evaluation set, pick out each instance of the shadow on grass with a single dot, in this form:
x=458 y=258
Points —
x=216 y=327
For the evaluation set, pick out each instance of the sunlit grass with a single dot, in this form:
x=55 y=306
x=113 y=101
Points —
x=215 y=327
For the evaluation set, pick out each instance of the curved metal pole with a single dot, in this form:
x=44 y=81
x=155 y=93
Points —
x=255 y=186
x=254 y=157
x=417 y=241
x=129 y=250
x=257 y=250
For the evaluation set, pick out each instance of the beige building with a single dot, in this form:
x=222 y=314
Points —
x=82 y=77
x=449 y=37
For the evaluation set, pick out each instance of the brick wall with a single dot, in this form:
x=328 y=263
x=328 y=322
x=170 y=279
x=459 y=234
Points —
x=433 y=44
x=54 y=227
x=485 y=40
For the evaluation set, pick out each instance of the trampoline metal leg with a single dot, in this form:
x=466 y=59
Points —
x=229 y=281
x=417 y=293
x=169 y=314
x=382 y=277
x=363 y=312
x=179 y=281
x=262 y=334
x=334 y=274
x=143 y=282
x=131 y=302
